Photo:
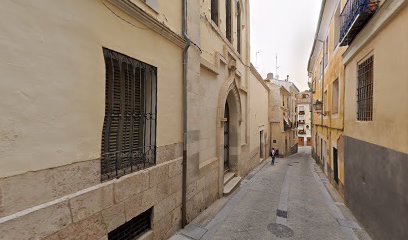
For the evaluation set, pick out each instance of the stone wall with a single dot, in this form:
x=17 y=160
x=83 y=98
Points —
x=92 y=212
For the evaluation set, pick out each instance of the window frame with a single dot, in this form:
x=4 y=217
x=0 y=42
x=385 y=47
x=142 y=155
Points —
x=337 y=100
x=214 y=8
x=368 y=115
x=239 y=26
x=130 y=103
x=228 y=20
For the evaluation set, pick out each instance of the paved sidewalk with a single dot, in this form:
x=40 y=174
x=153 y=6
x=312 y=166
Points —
x=291 y=200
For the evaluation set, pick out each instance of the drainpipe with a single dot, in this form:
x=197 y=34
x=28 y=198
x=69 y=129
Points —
x=185 y=62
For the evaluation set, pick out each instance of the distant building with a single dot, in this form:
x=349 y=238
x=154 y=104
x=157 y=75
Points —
x=303 y=100
x=282 y=115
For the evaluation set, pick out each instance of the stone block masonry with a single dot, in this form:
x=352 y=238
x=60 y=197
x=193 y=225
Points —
x=93 y=212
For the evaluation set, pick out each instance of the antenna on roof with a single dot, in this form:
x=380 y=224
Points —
x=277 y=67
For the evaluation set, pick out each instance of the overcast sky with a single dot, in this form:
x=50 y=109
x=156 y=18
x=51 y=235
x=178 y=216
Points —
x=285 y=28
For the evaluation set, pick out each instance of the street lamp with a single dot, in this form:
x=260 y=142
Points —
x=318 y=106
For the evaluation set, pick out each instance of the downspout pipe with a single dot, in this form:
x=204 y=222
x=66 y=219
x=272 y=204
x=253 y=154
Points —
x=185 y=65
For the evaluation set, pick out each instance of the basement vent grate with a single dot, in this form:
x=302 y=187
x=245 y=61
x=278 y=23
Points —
x=281 y=213
x=133 y=229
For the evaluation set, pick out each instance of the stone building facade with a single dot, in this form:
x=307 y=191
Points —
x=304 y=112
x=223 y=134
x=283 y=115
x=360 y=132
x=327 y=75
x=92 y=137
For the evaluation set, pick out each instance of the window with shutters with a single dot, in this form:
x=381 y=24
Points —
x=129 y=130
x=228 y=20
x=365 y=90
x=214 y=11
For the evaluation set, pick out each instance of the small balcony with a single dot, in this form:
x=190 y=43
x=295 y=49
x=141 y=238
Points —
x=354 y=17
x=301 y=132
x=301 y=112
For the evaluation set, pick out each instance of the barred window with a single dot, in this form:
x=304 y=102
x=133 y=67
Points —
x=214 y=11
x=365 y=90
x=129 y=130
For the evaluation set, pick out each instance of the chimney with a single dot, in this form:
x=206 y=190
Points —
x=269 y=77
x=287 y=78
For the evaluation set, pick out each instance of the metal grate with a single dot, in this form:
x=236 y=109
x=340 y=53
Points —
x=133 y=229
x=214 y=11
x=365 y=90
x=129 y=130
x=228 y=20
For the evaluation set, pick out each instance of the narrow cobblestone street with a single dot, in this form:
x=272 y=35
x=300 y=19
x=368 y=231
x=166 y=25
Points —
x=291 y=200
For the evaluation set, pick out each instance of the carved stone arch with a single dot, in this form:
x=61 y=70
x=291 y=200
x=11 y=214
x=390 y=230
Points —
x=229 y=94
x=229 y=86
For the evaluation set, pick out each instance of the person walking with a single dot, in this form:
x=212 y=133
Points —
x=273 y=152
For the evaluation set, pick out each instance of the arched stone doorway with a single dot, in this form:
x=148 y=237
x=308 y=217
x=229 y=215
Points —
x=228 y=130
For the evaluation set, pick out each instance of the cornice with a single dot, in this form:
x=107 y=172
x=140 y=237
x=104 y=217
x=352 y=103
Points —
x=148 y=20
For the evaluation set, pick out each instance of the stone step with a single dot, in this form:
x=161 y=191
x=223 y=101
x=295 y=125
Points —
x=228 y=176
x=231 y=185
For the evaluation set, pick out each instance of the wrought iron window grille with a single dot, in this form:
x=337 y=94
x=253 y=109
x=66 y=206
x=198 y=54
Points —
x=130 y=123
x=365 y=84
x=353 y=18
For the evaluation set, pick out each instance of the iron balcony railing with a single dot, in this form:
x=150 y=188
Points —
x=353 y=18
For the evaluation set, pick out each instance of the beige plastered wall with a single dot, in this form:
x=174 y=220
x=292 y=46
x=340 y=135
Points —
x=258 y=116
x=53 y=79
x=389 y=126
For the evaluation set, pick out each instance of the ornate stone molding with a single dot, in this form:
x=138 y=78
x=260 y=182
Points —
x=148 y=20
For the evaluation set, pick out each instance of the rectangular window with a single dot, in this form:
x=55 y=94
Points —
x=134 y=228
x=129 y=130
x=214 y=11
x=326 y=99
x=336 y=34
x=238 y=27
x=365 y=90
x=228 y=21
x=321 y=70
x=335 y=97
